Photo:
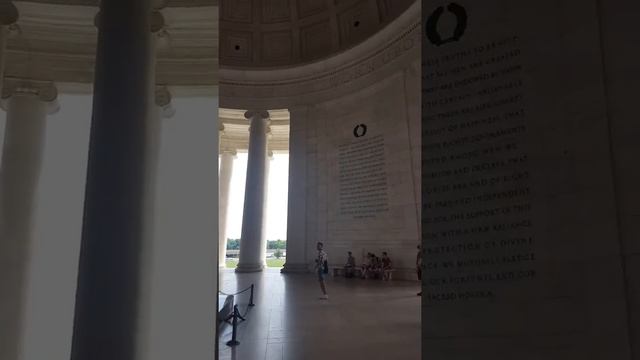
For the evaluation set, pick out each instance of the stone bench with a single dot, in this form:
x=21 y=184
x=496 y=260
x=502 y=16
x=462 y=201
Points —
x=390 y=271
x=357 y=271
x=338 y=270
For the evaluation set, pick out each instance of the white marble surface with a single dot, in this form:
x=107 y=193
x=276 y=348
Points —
x=390 y=109
x=366 y=319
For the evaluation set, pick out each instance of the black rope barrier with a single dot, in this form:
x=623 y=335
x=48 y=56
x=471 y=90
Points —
x=235 y=315
x=239 y=292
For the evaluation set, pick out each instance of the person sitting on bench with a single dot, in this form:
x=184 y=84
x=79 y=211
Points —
x=368 y=266
x=377 y=267
x=386 y=266
x=374 y=267
x=350 y=266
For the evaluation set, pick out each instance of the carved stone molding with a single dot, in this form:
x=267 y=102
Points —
x=250 y=114
x=229 y=151
x=45 y=91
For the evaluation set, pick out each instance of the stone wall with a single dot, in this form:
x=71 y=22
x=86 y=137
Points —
x=528 y=202
x=363 y=177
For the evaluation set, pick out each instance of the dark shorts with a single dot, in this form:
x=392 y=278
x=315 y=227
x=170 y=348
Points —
x=321 y=275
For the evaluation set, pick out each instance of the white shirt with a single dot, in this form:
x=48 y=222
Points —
x=322 y=257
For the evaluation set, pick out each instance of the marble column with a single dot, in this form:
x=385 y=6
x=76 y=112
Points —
x=106 y=309
x=27 y=105
x=8 y=16
x=254 y=196
x=297 y=209
x=226 y=170
x=263 y=242
x=161 y=109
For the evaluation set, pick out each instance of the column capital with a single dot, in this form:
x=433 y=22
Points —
x=8 y=13
x=162 y=99
x=252 y=114
x=157 y=23
x=229 y=151
x=45 y=91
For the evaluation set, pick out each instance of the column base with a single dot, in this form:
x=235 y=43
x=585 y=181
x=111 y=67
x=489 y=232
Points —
x=247 y=268
x=294 y=268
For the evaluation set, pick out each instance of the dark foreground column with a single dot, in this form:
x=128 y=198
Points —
x=108 y=281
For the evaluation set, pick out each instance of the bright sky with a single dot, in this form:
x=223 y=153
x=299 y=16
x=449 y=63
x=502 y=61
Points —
x=276 y=202
x=67 y=141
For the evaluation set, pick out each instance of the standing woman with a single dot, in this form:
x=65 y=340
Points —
x=322 y=268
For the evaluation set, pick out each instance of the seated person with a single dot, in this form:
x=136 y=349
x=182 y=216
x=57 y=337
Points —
x=373 y=267
x=377 y=268
x=368 y=266
x=386 y=266
x=349 y=268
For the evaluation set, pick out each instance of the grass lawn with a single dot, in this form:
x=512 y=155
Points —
x=231 y=264
x=275 y=263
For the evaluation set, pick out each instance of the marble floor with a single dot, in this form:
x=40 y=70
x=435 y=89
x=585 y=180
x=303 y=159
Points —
x=363 y=319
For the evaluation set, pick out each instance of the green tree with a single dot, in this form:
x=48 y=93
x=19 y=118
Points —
x=278 y=254
x=233 y=244
x=276 y=244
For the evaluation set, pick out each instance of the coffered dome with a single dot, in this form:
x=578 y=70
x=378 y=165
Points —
x=285 y=33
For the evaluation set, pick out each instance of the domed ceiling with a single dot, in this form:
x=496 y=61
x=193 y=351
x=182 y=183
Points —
x=284 y=33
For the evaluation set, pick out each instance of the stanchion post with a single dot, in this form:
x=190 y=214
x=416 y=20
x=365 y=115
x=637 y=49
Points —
x=233 y=341
x=251 y=297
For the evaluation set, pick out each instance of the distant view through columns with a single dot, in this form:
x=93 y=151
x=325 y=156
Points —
x=227 y=158
x=235 y=139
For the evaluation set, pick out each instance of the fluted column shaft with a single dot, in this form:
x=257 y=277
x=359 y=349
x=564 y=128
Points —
x=226 y=170
x=297 y=201
x=27 y=109
x=263 y=240
x=105 y=322
x=255 y=193
x=161 y=109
